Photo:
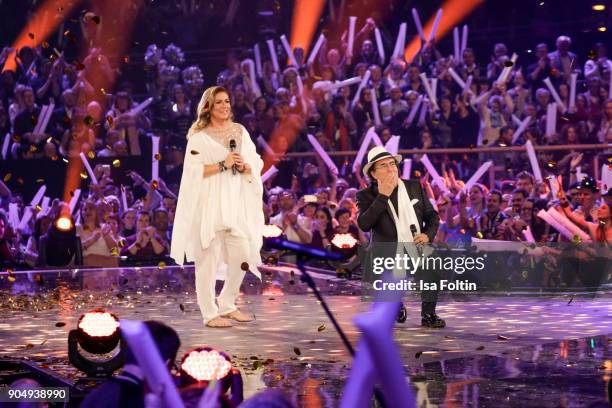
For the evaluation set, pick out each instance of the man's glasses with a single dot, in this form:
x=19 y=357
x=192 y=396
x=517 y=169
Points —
x=385 y=166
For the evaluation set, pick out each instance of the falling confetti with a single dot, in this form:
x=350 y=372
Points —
x=182 y=307
x=500 y=337
x=45 y=44
x=7 y=177
x=297 y=351
x=321 y=328
x=195 y=152
x=157 y=156
x=116 y=163
x=83 y=175
x=155 y=185
x=114 y=251
x=60 y=324
x=161 y=265
x=418 y=354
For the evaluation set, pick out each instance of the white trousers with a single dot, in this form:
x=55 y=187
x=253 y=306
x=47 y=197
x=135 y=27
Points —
x=233 y=249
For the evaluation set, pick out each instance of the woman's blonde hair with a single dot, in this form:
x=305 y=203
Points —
x=204 y=107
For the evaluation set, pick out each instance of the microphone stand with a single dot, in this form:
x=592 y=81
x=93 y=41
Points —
x=304 y=252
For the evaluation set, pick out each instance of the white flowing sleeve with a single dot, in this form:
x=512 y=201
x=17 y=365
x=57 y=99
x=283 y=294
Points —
x=193 y=172
x=253 y=189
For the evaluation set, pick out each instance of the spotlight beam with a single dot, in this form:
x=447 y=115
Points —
x=45 y=20
x=454 y=12
x=306 y=15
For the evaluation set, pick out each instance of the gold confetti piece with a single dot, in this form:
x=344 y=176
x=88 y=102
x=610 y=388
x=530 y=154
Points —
x=155 y=185
x=16 y=138
x=161 y=265
x=91 y=154
x=38 y=208
x=83 y=175
x=525 y=274
x=65 y=159
x=479 y=235
x=7 y=177
x=157 y=156
x=576 y=239
x=116 y=163
x=40 y=180
x=121 y=243
x=11 y=278
x=321 y=328
x=114 y=251
x=417 y=173
x=33 y=148
x=297 y=351
x=257 y=364
x=552 y=164
x=45 y=44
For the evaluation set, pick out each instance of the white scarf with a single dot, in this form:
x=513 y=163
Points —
x=407 y=216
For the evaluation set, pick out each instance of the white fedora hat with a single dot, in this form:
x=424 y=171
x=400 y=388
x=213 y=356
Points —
x=378 y=153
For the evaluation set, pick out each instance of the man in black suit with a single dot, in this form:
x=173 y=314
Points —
x=378 y=212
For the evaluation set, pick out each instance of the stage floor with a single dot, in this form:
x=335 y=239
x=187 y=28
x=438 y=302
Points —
x=521 y=350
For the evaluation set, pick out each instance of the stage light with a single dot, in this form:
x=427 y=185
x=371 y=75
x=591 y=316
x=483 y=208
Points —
x=344 y=241
x=98 y=331
x=598 y=7
x=205 y=364
x=60 y=246
x=272 y=231
x=64 y=223
x=93 y=345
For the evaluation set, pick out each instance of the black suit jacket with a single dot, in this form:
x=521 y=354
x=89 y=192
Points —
x=375 y=215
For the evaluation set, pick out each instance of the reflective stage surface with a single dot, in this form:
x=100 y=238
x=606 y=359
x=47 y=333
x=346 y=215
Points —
x=528 y=350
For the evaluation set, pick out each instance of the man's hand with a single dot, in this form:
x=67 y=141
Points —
x=387 y=184
x=421 y=239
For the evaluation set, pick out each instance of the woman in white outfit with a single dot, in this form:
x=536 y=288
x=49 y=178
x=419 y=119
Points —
x=219 y=215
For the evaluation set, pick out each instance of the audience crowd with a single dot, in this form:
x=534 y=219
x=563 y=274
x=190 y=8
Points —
x=50 y=111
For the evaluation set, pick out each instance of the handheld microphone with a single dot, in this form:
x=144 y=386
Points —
x=232 y=146
x=413 y=230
